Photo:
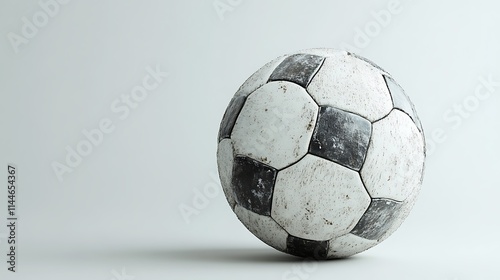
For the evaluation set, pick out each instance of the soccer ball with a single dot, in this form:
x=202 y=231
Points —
x=321 y=154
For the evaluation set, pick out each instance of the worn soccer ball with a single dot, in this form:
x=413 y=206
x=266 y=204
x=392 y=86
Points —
x=321 y=154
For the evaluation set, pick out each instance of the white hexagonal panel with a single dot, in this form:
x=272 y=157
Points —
x=318 y=199
x=255 y=81
x=348 y=245
x=275 y=124
x=225 y=165
x=395 y=159
x=350 y=84
x=263 y=227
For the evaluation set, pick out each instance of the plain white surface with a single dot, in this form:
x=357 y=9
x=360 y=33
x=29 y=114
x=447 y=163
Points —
x=119 y=208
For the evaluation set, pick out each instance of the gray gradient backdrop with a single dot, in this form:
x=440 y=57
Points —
x=116 y=215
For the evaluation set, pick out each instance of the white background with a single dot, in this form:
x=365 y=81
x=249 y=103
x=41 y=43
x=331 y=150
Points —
x=116 y=215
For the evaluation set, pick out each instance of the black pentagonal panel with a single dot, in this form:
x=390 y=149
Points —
x=378 y=218
x=253 y=184
x=307 y=248
x=401 y=101
x=230 y=116
x=297 y=68
x=341 y=137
